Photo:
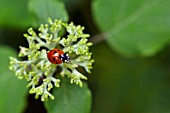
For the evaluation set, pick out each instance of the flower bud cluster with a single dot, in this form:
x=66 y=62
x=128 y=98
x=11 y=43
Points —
x=39 y=71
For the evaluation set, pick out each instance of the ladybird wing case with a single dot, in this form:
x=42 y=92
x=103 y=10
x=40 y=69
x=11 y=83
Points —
x=53 y=56
x=60 y=52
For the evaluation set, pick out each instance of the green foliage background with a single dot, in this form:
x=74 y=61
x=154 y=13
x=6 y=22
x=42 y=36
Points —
x=131 y=50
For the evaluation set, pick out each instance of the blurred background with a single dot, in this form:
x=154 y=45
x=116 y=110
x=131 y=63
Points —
x=131 y=50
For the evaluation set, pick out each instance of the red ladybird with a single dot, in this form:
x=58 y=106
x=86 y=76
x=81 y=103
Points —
x=57 y=56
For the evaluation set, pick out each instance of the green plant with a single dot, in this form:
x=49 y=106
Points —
x=38 y=68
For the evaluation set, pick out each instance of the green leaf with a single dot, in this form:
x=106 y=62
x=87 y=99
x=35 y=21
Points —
x=42 y=9
x=14 y=13
x=134 y=28
x=12 y=90
x=70 y=98
x=123 y=85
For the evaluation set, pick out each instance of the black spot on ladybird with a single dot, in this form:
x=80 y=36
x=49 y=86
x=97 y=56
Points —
x=53 y=59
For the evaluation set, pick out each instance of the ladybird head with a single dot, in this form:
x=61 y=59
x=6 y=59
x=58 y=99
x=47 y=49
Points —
x=65 y=58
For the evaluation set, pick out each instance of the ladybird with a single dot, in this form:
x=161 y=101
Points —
x=57 y=56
